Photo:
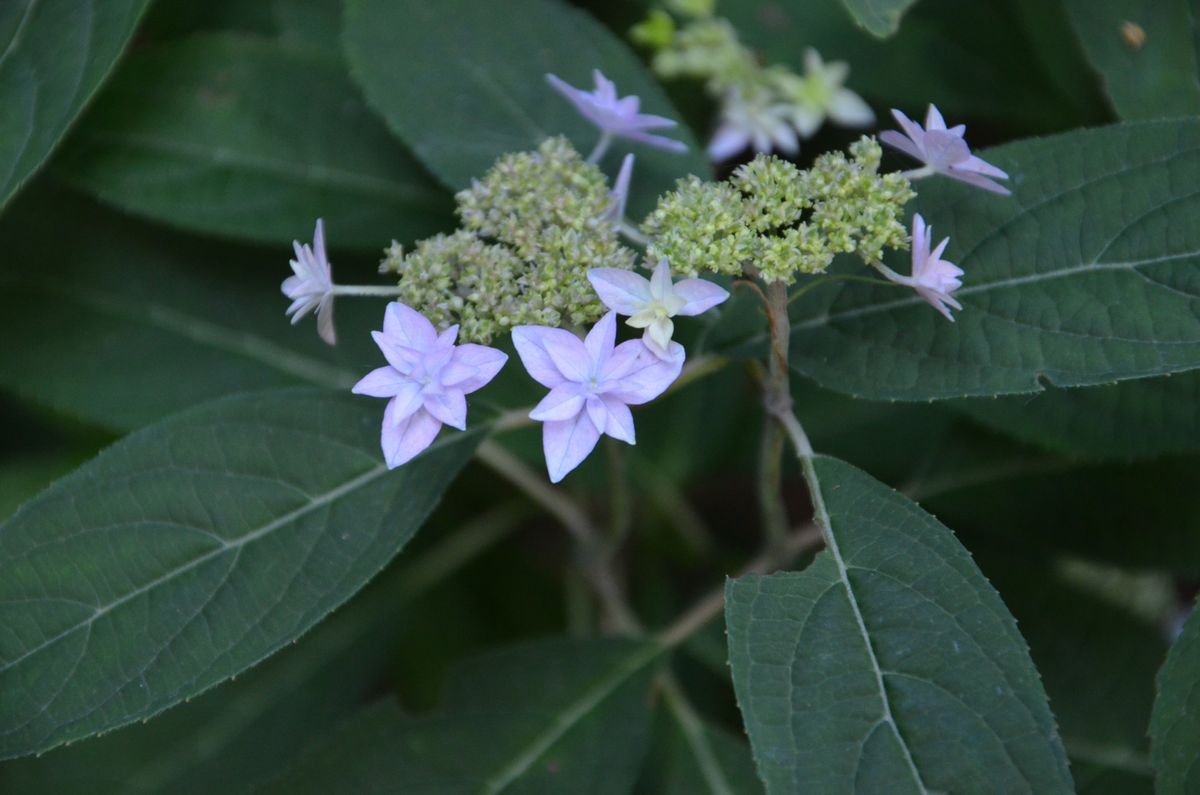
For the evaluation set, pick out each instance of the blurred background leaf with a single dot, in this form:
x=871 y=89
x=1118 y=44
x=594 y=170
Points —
x=1175 y=724
x=1145 y=53
x=53 y=56
x=880 y=17
x=248 y=137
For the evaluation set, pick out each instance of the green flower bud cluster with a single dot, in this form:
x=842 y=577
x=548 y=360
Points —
x=531 y=230
x=779 y=220
x=709 y=50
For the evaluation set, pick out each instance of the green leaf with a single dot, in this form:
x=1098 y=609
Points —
x=53 y=56
x=1145 y=51
x=704 y=759
x=191 y=550
x=1145 y=418
x=547 y=716
x=889 y=664
x=880 y=17
x=121 y=325
x=1088 y=274
x=1175 y=723
x=1009 y=62
x=247 y=137
x=249 y=730
x=488 y=93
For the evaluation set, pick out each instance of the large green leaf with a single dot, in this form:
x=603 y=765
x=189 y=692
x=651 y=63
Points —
x=247 y=137
x=249 y=730
x=191 y=550
x=548 y=716
x=488 y=93
x=121 y=325
x=889 y=664
x=53 y=56
x=880 y=17
x=1132 y=419
x=1088 y=274
x=1148 y=77
x=1175 y=723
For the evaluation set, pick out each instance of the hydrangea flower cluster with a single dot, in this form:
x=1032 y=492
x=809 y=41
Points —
x=762 y=108
x=781 y=221
x=531 y=229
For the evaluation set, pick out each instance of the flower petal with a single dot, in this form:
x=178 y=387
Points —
x=933 y=119
x=656 y=141
x=472 y=367
x=408 y=327
x=404 y=440
x=728 y=141
x=700 y=295
x=563 y=403
x=599 y=344
x=325 y=320
x=901 y=142
x=660 y=280
x=567 y=443
x=624 y=360
x=620 y=420
x=648 y=378
x=978 y=181
x=596 y=412
x=849 y=109
x=531 y=343
x=622 y=291
x=448 y=406
x=382 y=382
x=660 y=331
x=402 y=358
x=981 y=166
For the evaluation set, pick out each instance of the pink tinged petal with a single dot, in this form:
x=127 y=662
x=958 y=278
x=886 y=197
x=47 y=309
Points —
x=596 y=412
x=399 y=356
x=408 y=327
x=981 y=166
x=472 y=367
x=563 y=403
x=407 y=401
x=936 y=254
x=599 y=344
x=531 y=343
x=619 y=195
x=567 y=443
x=622 y=291
x=447 y=337
x=402 y=441
x=933 y=119
x=978 y=181
x=849 y=109
x=728 y=141
x=699 y=295
x=291 y=286
x=325 y=320
x=382 y=382
x=648 y=379
x=625 y=358
x=944 y=151
x=319 y=240
x=448 y=406
x=620 y=420
x=913 y=130
x=656 y=141
x=898 y=141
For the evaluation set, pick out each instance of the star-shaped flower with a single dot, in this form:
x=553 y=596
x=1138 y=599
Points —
x=619 y=195
x=821 y=94
x=616 y=116
x=312 y=285
x=427 y=379
x=756 y=120
x=592 y=385
x=943 y=151
x=651 y=303
x=933 y=278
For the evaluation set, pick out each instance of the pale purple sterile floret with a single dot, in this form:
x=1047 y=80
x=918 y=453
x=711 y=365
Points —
x=592 y=384
x=933 y=278
x=427 y=379
x=651 y=303
x=619 y=195
x=617 y=116
x=943 y=151
x=312 y=285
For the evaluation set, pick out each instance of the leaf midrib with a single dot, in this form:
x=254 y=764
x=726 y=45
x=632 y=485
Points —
x=333 y=494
